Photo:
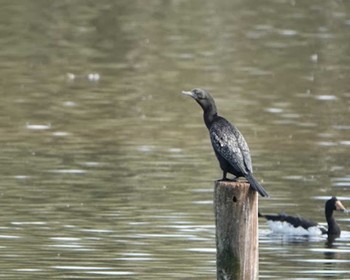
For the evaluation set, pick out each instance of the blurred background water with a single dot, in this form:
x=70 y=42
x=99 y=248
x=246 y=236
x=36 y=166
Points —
x=107 y=171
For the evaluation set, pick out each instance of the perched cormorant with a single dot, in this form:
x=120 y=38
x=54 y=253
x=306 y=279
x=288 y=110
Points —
x=297 y=225
x=229 y=146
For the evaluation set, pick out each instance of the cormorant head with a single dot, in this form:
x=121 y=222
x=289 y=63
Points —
x=334 y=204
x=203 y=98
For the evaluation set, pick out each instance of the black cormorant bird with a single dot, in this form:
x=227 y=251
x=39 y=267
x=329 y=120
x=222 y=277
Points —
x=297 y=225
x=229 y=145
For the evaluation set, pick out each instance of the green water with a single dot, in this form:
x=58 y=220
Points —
x=107 y=171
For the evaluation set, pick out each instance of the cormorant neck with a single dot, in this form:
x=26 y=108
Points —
x=209 y=110
x=209 y=115
x=333 y=227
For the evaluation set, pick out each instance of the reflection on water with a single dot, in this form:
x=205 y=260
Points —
x=107 y=172
x=304 y=256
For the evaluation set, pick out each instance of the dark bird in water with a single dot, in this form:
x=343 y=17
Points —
x=297 y=225
x=229 y=145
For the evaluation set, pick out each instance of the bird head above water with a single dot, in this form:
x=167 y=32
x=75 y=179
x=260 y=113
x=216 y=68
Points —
x=334 y=204
x=331 y=205
x=203 y=98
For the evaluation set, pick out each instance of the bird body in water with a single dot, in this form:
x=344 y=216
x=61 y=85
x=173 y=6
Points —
x=296 y=225
x=228 y=143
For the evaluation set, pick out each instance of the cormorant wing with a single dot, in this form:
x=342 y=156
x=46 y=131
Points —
x=230 y=144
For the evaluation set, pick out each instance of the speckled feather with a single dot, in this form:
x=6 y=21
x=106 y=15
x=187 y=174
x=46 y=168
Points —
x=231 y=145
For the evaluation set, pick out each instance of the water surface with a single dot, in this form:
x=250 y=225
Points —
x=107 y=171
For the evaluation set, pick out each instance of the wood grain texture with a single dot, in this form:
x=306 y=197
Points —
x=236 y=214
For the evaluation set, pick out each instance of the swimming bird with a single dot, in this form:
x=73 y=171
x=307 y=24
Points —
x=296 y=225
x=230 y=147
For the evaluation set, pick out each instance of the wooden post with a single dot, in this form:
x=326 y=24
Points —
x=236 y=215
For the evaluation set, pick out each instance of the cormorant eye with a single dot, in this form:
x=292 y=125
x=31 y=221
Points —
x=199 y=94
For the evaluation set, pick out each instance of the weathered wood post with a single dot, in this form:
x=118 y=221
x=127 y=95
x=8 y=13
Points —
x=236 y=215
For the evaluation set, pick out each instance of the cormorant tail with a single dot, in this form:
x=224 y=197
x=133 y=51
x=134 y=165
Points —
x=256 y=185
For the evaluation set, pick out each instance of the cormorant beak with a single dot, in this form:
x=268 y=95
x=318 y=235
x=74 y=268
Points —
x=188 y=93
x=340 y=207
